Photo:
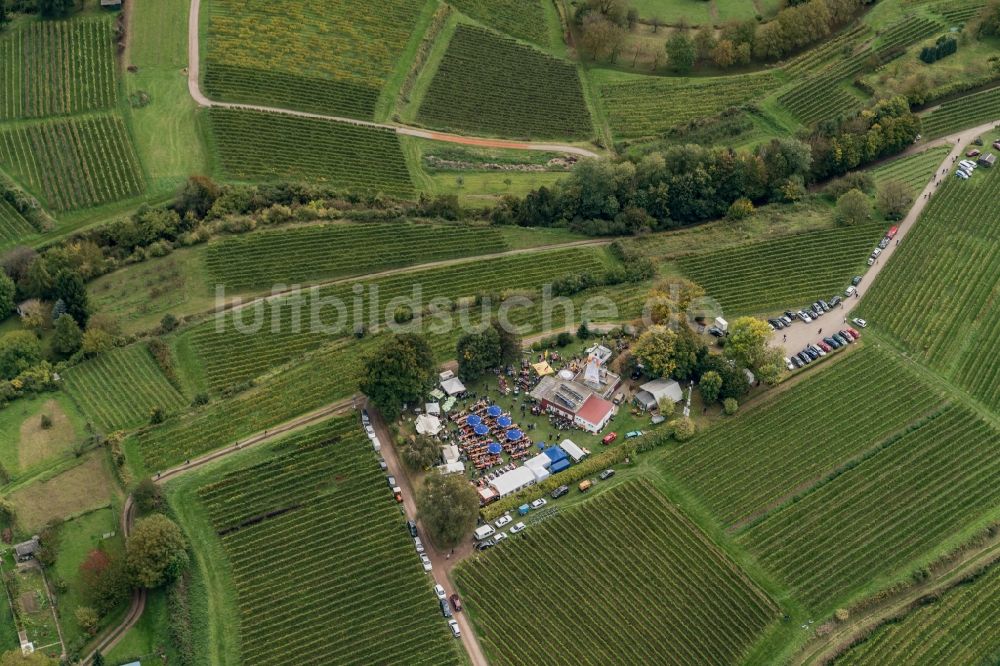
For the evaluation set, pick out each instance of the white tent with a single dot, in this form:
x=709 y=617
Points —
x=540 y=461
x=511 y=482
x=428 y=425
x=540 y=473
x=574 y=451
x=453 y=386
x=449 y=453
x=432 y=408
x=452 y=468
x=651 y=393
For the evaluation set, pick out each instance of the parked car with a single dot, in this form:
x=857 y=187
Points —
x=456 y=603
x=796 y=362
x=445 y=608
x=789 y=315
x=856 y=280
x=835 y=301
x=499 y=537
x=585 y=485
x=823 y=304
x=391 y=480
x=606 y=474
x=439 y=592
x=518 y=527
x=974 y=153
x=397 y=494
x=502 y=520
x=539 y=503
x=365 y=419
x=775 y=323
x=610 y=437
x=884 y=243
x=804 y=316
x=804 y=357
x=962 y=175
x=825 y=347
x=817 y=349
x=632 y=434
x=788 y=363
x=859 y=322
x=412 y=526
x=559 y=492
x=850 y=291
x=426 y=562
x=846 y=339
x=483 y=545
x=418 y=544
x=816 y=310
x=811 y=354
x=369 y=430
x=715 y=331
x=787 y=319
x=455 y=630
x=854 y=333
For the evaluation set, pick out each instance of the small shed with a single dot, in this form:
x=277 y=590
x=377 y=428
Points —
x=651 y=393
x=26 y=551
x=988 y=160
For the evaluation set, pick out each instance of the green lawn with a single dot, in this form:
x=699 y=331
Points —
x=24 y=444
x=167 y=131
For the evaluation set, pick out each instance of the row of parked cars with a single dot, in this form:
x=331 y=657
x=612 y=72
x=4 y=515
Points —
x=965 y=169
x=447 y=604
x=813 y=352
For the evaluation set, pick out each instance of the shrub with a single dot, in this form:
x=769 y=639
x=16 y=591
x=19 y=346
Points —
x=730 y=406
x=683 y=429
x=87 y=618
x=46 y=422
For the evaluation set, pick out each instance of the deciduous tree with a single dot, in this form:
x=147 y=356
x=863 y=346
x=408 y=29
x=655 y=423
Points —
x=399 y=372
x=709 y=386
x=894 y=199
x=656 y=349
x=156 y=552
x=448 y=506
x=853 y=208
x=68 y=337
x=19 y=350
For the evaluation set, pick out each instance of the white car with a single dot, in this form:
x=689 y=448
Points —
x=502 y=520
x=788 y=363
x=426 y=561
x=419 y=544
x=499 y=537
x=968 y=164
x=370 y=431
x=859 y=322
x=850 y=290
x=538 y=503
x=440 y=593
x=455 y=631
x=962 y=174
x=517 y=528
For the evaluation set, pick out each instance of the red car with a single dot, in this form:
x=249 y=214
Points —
x=456 y=603
x=973 y=153
x=610 y=437
x=892 y=232
x=825 y=347
x=857 y=336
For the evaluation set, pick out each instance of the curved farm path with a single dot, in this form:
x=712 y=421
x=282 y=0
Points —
x=799 y=334
x=194 y=87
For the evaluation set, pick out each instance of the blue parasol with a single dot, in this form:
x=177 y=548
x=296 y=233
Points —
x=504 y=422
x=473 y=419
x=494 y=411
x=481 y=429
x=514 y=434
x=494 y=448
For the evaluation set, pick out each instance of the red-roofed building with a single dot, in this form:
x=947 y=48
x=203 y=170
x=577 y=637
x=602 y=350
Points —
x=594 y=414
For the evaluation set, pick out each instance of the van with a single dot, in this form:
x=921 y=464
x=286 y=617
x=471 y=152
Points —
x=376 y=444
x=484 y=532
x=585 y=485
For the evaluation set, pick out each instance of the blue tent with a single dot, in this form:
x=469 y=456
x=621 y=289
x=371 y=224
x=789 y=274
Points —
x=473 y=419
x=555 y=454
x=494 y=411
x=494 y=448
x=540 y=445
x=481 y=430
x=559 y=465
x=504 y=422
x=514 y=434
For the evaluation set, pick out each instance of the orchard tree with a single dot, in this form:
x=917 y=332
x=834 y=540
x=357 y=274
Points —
x=709 y=386
x=681 y=51
x=68 y=337
x=156 y=552
x=656 y=349
x=399 y=372
x=853 y=208
x=747 y=342
x=894 y=199
x=447 y=505
x=19 y=350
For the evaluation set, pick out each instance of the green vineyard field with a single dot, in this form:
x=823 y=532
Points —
x=938 y=296
x=307 y=254
x=775 y=275
x=957 y=629
x=491 y=84
x=324 y=56
x=331 y=569
x=648 y=106
x=957 y=114
x=875 y=517
x=227 y=364
x=744 y=466
x=639 y=566
x=914 y=170
x=73 y=164
x=119 y=388
x=57 y=67
x=258 y=146
x=524 y=19
x=13 y=226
